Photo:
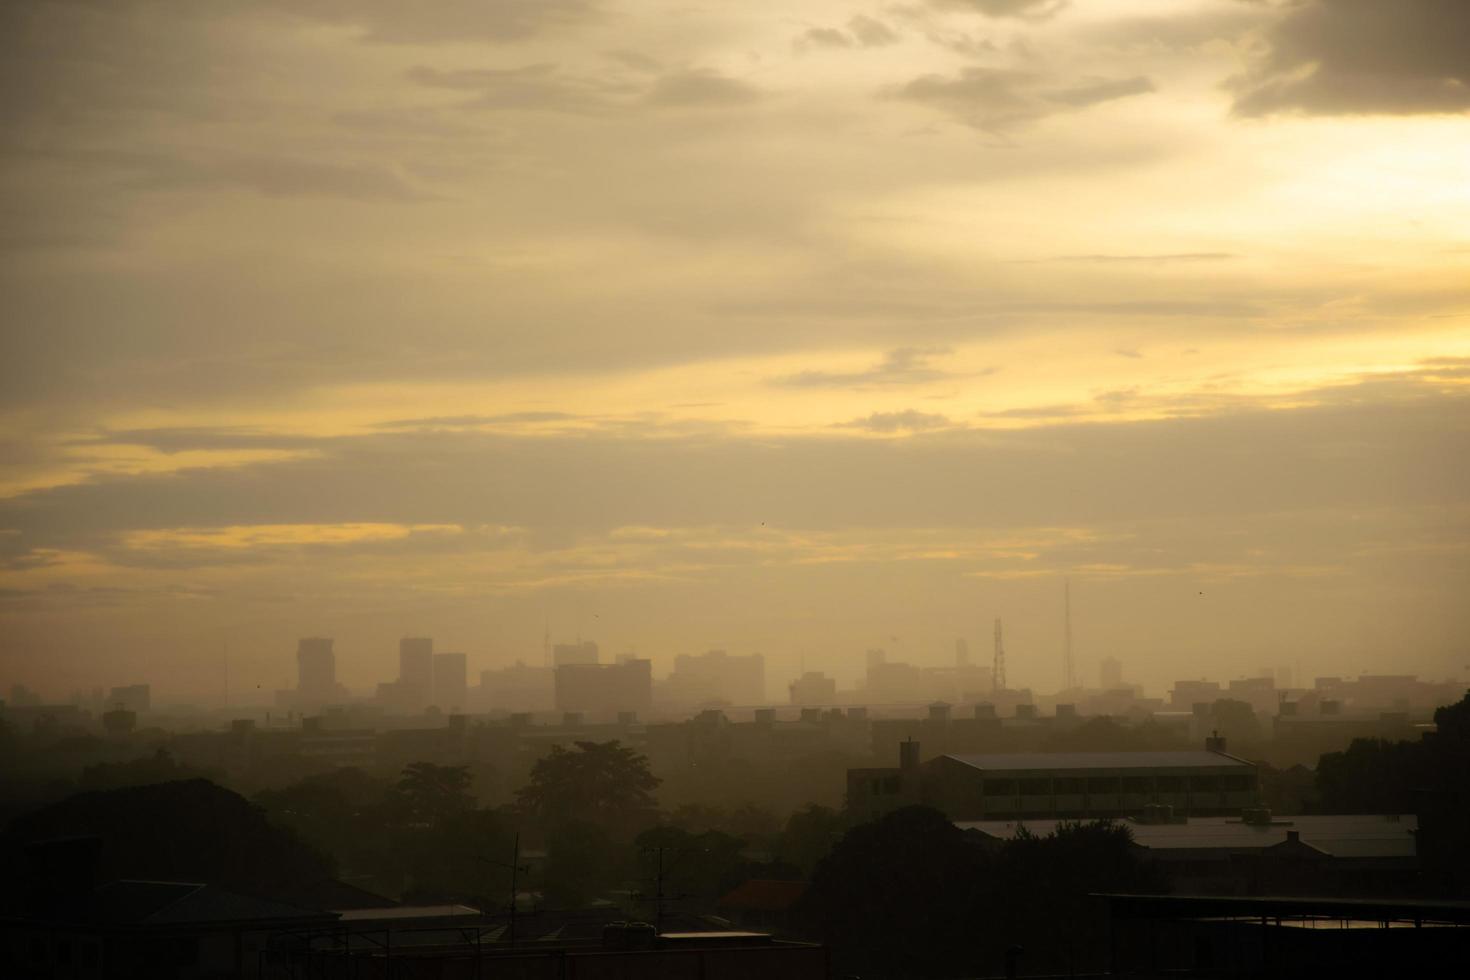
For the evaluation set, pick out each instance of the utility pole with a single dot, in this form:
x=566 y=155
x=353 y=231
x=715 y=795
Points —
x=515 y=870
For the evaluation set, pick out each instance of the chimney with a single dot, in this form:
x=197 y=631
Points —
x=1293 y=837
x=1215 y=743
x=908 y=755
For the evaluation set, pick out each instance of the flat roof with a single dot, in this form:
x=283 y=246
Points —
x=1366 y=909
x=408 y=912
x=1020 y=761
x=1345 y=836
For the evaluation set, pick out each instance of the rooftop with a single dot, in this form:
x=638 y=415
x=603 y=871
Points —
x=1019 y=762
x=1344 y=836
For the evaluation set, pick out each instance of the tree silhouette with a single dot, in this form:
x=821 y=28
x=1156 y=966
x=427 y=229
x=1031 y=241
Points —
x=429 y=794
x=603 y=782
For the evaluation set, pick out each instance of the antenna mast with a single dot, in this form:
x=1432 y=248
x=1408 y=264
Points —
x=998 y=667
x=1067 y=647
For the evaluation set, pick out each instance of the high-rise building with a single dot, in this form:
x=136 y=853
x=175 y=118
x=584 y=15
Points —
x=814 y=687
x=582 y=652
x=415 y=672
x=451 y=683
x=1110 y=673
x=717 y=676
x=316 y=672
x=517 y=689
x=605 y=688
x=136 y=697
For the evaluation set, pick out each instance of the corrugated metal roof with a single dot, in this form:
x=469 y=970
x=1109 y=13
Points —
x=1017 y=761
x=1347 y=836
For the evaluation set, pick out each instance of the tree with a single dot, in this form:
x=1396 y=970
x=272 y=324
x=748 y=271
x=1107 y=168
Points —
x=895 y=896
x=429 y=794
x=601 y=782
x=810 y=835
x=161 y=767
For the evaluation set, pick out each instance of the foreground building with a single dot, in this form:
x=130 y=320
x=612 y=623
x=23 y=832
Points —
x=1070 y=785
x=1257 y=854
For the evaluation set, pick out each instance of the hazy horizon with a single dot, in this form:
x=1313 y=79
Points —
x=796 y=331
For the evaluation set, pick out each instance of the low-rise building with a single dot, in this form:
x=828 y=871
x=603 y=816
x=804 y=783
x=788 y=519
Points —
x=1076 y=785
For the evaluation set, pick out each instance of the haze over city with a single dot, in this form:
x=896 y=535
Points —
x=791 y=331
x=886 y=489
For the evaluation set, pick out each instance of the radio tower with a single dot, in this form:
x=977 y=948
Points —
x=1067 y=636
x=998 y=667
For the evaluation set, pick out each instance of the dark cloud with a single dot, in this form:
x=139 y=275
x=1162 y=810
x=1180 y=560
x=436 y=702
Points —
x=700 y=87
x=1383 y=443
x=1100 y=90
x=1341 y=57
x=823 y=37
x=470 y=421
x=901 y=366
x=997 y=99
x=906 y=421
x=1005 y=8
x=542 y=87
x=862 y=32
x=444 y=21
x=872 y=33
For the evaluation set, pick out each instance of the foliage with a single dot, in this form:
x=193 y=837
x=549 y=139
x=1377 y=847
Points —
x=428 y=794
x=581 y=863
x=161 y=767
x=603 y=782
x=810 y=835
x=913 y=895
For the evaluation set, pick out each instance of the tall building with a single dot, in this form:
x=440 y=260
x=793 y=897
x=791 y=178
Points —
x=415 y=672
x=316 y=672
x=516 y=689
x=605 y=688
x=451 y=683
x=139 y=697
x=814 y=687
x=717 y=676
x=1110 y=673
x=582 y=652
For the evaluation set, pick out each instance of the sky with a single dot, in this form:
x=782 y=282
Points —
x=785 y=328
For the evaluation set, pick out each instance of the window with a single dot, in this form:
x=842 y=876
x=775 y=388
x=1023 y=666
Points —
x=1102 y=784
x=1000 y=787
x=892 y=784
x=1238 y=784
x=1136 y=784
x=1203 y=784
x=1067 y=786
x=1036 y=787
x=1169 y=784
